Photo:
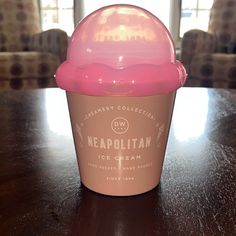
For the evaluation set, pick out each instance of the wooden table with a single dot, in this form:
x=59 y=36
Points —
x=41 y=193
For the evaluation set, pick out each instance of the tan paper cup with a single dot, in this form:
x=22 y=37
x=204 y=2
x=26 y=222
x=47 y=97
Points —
x=120 y=141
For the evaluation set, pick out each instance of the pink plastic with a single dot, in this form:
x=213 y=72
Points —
x=121 y=50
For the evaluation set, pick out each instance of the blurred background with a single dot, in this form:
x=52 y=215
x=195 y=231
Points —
x=179 y=16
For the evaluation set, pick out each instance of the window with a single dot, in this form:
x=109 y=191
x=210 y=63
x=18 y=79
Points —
x=57 y=14
x=194 y=14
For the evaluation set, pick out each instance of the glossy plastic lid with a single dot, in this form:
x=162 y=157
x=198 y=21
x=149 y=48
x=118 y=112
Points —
x=121 y=50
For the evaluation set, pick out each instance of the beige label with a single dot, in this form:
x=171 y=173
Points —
x=120 y=141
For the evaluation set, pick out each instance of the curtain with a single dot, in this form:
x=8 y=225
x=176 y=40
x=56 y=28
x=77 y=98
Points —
x=78 y=11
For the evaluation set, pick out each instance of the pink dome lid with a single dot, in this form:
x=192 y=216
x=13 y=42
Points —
x=121 y=50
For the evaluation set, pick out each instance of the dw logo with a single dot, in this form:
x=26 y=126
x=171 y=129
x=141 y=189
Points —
x=120 y=125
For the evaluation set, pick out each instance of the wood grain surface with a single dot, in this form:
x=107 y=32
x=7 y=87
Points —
x=41 y=193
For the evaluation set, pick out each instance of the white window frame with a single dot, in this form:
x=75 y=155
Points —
x=175 y=18
x=57 y=8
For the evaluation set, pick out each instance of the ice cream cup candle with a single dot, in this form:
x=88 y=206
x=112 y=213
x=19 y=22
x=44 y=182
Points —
x=121 y=78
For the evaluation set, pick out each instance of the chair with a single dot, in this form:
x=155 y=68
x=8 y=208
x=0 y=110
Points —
x=28 y=57
x=210 y=57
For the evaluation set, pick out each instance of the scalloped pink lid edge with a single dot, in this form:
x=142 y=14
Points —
x=137 y=80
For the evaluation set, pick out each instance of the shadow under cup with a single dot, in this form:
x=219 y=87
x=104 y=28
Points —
x=120 y=141
x=103 y=215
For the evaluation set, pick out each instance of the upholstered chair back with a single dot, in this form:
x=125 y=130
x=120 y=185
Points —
x=222 y=23
x=18 y=20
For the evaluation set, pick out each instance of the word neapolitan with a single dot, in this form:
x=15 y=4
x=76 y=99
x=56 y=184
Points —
x=119 y=108
x=119 y=144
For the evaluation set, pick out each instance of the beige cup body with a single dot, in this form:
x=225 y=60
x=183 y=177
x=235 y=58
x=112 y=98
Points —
x=120 y=141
